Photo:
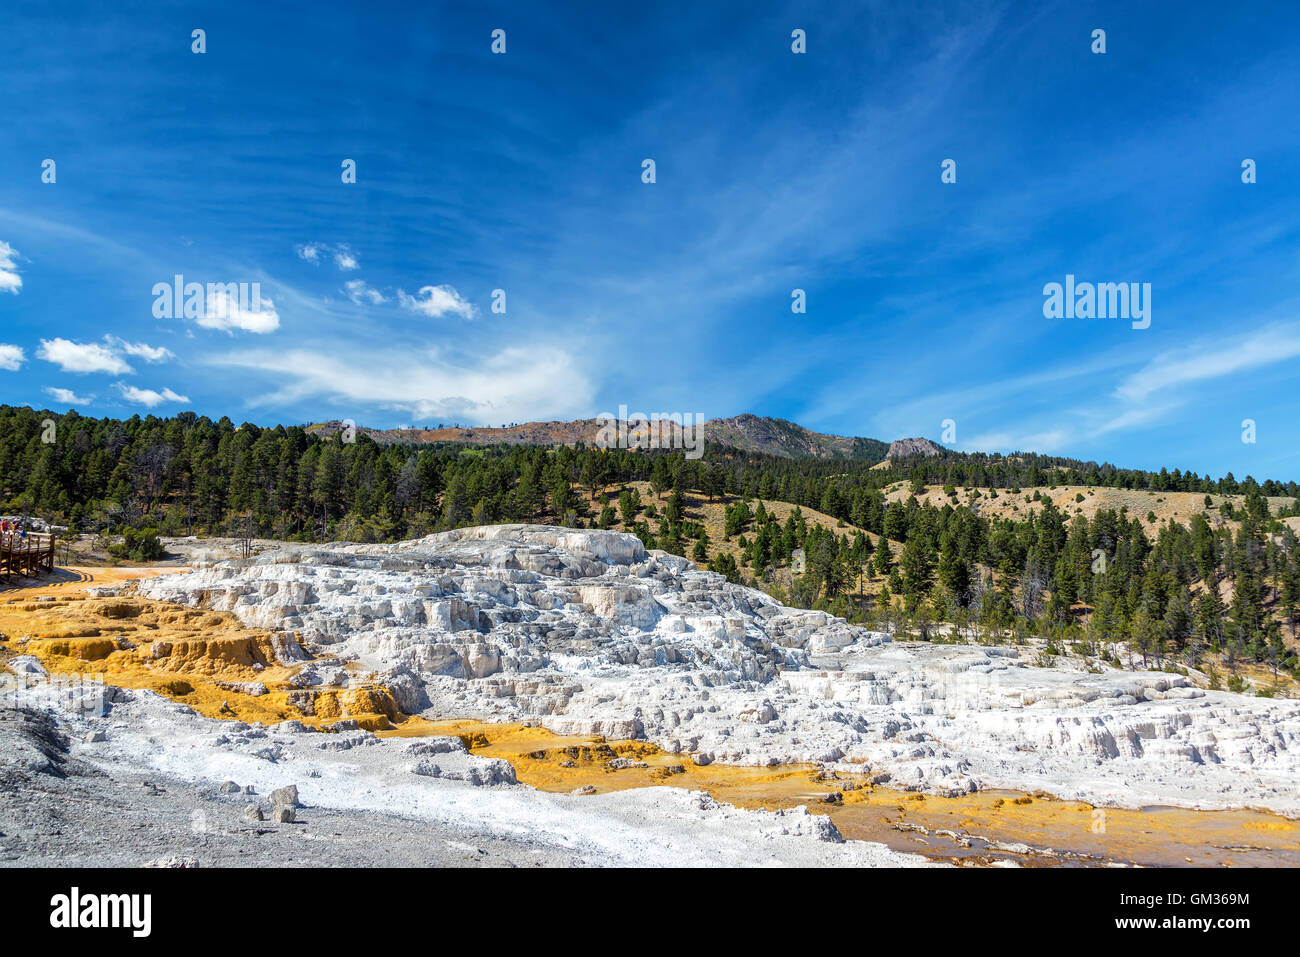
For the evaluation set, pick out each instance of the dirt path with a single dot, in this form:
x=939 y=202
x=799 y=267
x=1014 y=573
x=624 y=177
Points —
x=75 y=579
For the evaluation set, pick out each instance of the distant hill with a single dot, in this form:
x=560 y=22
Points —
x=749 y=433
x=529 y=433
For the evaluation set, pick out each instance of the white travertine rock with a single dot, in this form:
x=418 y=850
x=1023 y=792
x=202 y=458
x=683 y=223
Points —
x=590 y=633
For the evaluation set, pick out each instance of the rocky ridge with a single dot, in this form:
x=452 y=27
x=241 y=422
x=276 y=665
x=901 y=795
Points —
x=907 y=448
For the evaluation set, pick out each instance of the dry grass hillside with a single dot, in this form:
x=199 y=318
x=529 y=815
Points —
x=1179 y=506
x=1072 y=500
x=712 y=516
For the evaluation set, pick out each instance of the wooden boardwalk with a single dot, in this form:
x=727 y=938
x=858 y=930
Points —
x=26 y=556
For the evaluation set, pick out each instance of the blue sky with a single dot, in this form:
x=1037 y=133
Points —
x=774 y=171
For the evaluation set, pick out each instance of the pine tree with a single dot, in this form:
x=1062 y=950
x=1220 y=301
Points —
x=884 y=559
x=1146 y=634
x=561 y=497
x=954 y=573
x=659 y=477
x=456 y=504
x=629 y=503
x=1178 y=619
x=724 y=564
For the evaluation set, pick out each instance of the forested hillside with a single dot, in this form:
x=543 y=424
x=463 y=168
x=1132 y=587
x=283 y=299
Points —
x=1226 y=583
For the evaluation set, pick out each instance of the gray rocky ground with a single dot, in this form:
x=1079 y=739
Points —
x=68 y=812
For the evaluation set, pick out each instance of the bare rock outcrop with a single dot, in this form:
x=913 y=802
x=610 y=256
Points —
x=909 y=448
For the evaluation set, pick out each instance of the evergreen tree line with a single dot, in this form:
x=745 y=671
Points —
x=1185 y=592
x=1188 y=592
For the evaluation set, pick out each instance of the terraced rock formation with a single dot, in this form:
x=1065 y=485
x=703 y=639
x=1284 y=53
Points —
x=585 y=632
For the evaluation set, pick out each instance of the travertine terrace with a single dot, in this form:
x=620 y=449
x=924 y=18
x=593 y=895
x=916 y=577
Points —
x=586 y=632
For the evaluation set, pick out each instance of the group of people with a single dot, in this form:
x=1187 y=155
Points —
x=12 y=528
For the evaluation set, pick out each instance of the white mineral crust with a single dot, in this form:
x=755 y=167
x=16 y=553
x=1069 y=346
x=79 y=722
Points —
x=587 y=632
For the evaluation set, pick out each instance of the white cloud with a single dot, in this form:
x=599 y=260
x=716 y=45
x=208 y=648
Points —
x=311 y=252
x=345 y=259
x=149 y=397
x=142 y=350
x=11 y=357
x=516 y=384
x=438 y=301
x=359 y=292
x=227 y=313
x=82 y=357
x=10 y=281
x=68 y=397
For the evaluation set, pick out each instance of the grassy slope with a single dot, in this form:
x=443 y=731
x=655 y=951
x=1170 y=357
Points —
x=1180 y=506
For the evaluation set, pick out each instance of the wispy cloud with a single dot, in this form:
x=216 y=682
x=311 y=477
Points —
x=516 y=383
x=310 y=252
x=436 y=301
x=345 y=259
x=82 y=357
x=991 y=395
x=360 y=293
x=1141 y=399
x=1211 y=359
x=924 y=298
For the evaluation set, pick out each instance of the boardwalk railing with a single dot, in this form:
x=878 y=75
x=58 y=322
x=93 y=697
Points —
x=27 y=556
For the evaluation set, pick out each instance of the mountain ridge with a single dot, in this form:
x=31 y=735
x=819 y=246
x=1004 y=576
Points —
x=747 y=432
